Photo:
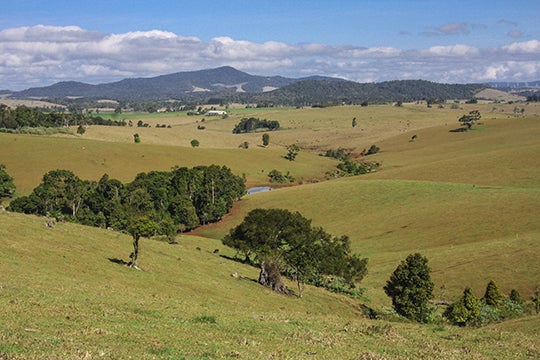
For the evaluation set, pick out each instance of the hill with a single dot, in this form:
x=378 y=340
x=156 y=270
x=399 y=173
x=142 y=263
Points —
x=66 y=298
x=226 y=84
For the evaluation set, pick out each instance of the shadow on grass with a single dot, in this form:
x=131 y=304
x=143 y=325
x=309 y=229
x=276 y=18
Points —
x=118 y=261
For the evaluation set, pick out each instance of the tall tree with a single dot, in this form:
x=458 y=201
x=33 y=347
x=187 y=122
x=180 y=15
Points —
x=411 y=288
x=265 y=139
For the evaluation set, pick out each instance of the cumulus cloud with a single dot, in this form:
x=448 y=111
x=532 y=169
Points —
x=42 y=55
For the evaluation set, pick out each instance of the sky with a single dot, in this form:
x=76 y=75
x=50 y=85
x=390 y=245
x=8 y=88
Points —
x=96 y=41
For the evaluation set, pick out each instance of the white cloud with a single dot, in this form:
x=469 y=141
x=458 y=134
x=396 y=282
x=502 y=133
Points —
x=42 y=55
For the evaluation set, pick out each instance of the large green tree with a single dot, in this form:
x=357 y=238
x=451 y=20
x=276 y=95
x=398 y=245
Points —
x=280 y=241
x=7 y=186
x=411 y=288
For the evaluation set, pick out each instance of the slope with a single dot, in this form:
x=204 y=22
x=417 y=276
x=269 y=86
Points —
x=65 y=295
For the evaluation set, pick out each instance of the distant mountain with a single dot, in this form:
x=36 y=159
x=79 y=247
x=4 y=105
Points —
x=181 y=86
x=226 y=84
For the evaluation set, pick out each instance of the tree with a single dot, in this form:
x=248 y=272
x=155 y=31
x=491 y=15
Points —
x=411 y=288
x=7 y=187
x=292 y=151
x=140 y=227
x=469 y=119
x=195 y=143
x=465 y=311
x=81 y=130
x=265 y=139
x=136 y=138
x=354 y=123
x=492 y=296
x=281 y=241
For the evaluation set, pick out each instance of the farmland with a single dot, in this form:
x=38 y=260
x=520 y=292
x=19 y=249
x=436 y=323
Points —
x=466 y=200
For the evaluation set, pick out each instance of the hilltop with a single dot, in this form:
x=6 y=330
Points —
x=226 y=84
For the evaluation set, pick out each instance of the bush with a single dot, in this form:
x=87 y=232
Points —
x=194 y=143
x=277 y=177
x=136 y=138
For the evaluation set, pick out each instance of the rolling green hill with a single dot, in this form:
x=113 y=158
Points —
x=468 y=201
x=63 y=294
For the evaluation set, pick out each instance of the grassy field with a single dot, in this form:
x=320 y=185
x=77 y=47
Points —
x=468 y=201
x=64 y=295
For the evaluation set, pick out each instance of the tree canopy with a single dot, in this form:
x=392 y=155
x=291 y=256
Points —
x=282 y=242
x=411 y=288
x=184 y=197
x=7 y=186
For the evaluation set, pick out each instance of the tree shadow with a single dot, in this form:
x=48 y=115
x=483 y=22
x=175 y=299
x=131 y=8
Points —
x=118 y=261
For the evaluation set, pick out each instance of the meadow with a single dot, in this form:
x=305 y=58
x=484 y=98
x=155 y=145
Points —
x=468 y=201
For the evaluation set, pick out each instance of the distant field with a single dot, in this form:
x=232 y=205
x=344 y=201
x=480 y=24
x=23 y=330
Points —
x=311 y=128
x=28 y=157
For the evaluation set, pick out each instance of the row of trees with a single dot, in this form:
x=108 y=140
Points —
x=411 y=290
x=177 y=200
x=254 y=124
x=23 y=116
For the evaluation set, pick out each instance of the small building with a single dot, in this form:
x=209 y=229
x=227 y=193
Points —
x=215 y=113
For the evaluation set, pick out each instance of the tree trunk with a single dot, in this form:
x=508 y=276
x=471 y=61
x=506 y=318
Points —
x=135 y=253
x=271 y=277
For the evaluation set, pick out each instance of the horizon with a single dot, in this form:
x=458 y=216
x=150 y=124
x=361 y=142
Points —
x=455 y=42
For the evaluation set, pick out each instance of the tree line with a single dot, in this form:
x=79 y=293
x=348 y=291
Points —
x=23 y=116
x=253 y=124
x=177 y=200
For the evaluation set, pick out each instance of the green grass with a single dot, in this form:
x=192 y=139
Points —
x=468 y=201
x=62 y=297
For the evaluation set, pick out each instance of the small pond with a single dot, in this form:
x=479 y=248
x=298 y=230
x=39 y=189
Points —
x=258 y=189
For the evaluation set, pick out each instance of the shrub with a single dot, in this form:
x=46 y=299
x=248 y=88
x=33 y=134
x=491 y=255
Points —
x=465 y=311
x=136 y=138
x=194 y=143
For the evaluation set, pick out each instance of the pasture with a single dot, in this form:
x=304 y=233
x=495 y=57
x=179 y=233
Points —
x=466 y=200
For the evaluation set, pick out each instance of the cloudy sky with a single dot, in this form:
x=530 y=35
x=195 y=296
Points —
x=96 y=41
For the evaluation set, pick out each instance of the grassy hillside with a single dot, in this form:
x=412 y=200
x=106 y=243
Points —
x=63 y=295
x=28 y=157
x=480 y=224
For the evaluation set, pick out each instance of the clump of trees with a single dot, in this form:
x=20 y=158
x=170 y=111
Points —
x=277 y=176
x=7 y=186
x=493 y=307
x=176 y=200
x=253 y=124
x=348 y=166
x=292 y=152
x=283 y=243
x=470 y=119
x=410 y=288
x=24 y=116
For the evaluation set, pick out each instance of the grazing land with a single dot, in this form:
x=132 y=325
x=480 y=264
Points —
x=468 y=201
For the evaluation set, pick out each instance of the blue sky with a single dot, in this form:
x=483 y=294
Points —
x=42 y=42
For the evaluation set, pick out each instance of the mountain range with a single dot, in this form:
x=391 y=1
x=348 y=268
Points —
x=227 y=84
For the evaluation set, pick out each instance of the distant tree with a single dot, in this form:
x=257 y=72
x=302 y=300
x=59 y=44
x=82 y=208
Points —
x=354 y=123
x=492 y=296
x=194 y=143
x=515 y=296
x=265 y=139
x=465 y=311
x=471 y=118
x=7 y=186
x=373 y=150
x=411 y=288
x=81 y=130
x=137 y=228
x=136 y=138
x=536 y=300
x=282 y=241
x=292 y=151
x=364 y=103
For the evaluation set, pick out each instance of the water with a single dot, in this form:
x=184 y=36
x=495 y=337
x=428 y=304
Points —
x=258 y=189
